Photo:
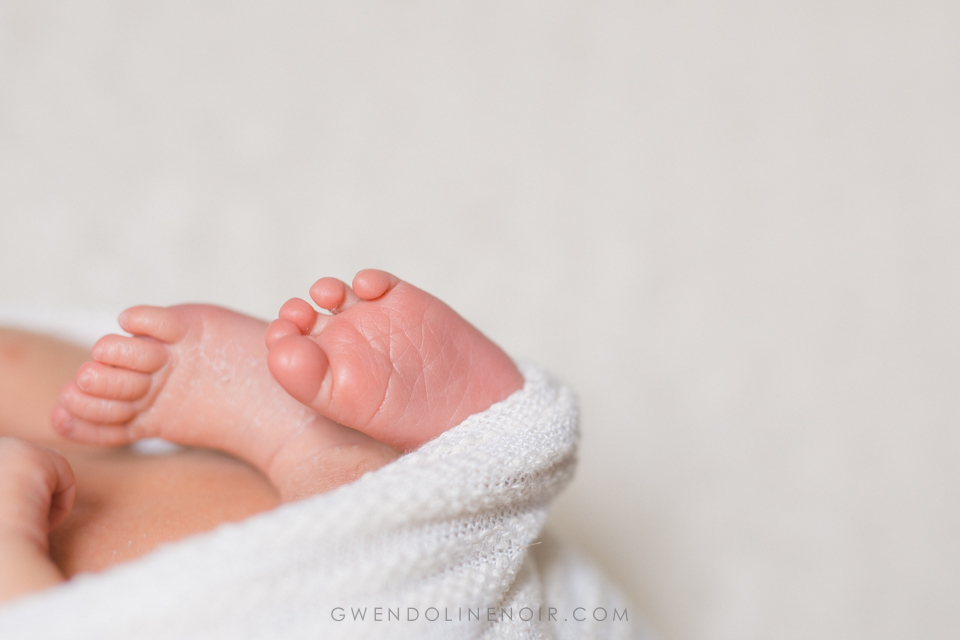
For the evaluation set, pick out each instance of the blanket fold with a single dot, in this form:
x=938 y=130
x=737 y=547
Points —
x=444 y=542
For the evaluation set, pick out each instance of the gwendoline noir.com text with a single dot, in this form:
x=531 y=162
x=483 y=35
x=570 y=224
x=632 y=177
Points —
x=476 y=614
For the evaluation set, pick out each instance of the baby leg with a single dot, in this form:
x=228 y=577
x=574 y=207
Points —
x=37 y=488
x=33 y=368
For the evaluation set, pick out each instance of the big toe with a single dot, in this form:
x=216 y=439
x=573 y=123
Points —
x=162 y=323
x=333 y=295
x=299 y=366
x=298 y=313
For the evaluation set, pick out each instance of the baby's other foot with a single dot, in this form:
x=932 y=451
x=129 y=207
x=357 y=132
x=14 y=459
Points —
x=197 y=375
x=391 y=360
x=37 y=488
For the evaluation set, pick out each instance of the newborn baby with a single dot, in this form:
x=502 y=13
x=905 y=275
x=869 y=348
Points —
x=312 y=402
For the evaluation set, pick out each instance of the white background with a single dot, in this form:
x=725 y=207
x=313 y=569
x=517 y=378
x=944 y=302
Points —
x=732 y=226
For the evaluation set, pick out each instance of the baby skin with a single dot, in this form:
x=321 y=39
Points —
x=312 y=400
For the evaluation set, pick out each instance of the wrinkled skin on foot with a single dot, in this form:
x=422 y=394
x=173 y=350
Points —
x=390 y=360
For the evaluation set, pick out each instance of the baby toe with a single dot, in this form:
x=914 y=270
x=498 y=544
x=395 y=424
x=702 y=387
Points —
x=332 y=294
x=279 y=329
x=93 y=409
x=299 y=313
x=114 y=383
x=81 y=430
x=370 y=284
x=140 y=354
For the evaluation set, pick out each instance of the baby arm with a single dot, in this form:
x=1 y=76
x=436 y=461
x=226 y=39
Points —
x=37 y=488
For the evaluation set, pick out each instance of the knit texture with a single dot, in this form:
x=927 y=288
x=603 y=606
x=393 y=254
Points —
x=441 y=543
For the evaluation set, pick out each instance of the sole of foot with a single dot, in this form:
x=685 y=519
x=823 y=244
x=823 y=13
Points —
x=196 y=375
x=389 y=360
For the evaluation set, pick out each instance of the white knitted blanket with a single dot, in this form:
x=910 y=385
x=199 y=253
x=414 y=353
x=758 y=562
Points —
x=445 y=542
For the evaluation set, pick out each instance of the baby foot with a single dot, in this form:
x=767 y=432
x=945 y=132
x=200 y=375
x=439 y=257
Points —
x=37 y=488
x=391 y=360
x=196 y=375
